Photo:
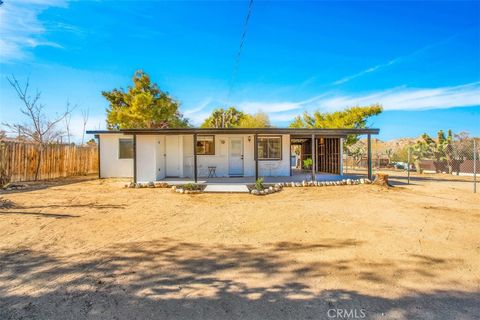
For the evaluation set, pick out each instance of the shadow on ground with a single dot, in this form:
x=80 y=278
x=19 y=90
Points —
x=166 y=279
x=46 y=184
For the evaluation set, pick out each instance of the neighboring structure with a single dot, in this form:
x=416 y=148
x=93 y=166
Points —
x=156 y=154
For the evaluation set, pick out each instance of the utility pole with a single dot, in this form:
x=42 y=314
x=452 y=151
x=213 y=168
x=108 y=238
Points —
x=408 y=164
x=474 y=166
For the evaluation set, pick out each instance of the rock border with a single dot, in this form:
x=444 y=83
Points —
x=277 y=187
x=150 y=184
x=179 y=189
x=268 y=190
x=342 y=182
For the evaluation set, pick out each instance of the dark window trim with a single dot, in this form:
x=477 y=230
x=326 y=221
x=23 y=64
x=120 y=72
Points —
x=199 y=139
x=281 y=147
x=125 y=139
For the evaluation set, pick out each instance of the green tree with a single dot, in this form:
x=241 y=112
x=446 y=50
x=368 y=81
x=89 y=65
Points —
x=353 y=117
x=401 y=154
x=221 y=118
x=441 y=149
x=142 y=105
x=257 y=120
x=422 y=149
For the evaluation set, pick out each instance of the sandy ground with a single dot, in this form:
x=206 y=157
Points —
x=95 y=250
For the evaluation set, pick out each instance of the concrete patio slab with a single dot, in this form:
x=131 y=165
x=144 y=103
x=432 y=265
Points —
x=242 y=188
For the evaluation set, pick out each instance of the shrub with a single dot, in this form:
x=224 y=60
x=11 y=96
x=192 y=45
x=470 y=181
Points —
x=192 y=186
x=307 y=163
x=259 y=184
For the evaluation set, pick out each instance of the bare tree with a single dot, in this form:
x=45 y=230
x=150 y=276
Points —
x=40 y=129
x=68 y=119
x=85 y=114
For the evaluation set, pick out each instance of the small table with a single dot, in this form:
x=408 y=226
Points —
x=211 y=172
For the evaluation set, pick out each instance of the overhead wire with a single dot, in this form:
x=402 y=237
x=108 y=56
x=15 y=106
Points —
x=240 y=49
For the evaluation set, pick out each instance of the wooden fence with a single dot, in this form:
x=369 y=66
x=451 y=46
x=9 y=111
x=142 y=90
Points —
x=18 y=161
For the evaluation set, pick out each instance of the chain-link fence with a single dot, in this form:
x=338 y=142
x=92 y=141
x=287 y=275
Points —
x=445 y=158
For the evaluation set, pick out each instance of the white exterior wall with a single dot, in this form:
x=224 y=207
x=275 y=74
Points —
x=151 y=158
x=221 y=161
x=220 y=158
x=146 y=158
x=160 y=157
x=110 y=165
x=188 y=156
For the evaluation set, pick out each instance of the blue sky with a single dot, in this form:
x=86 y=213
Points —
x=420 y=60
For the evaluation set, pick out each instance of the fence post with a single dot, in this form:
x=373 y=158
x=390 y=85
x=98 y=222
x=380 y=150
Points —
x=408 y=165
x=474 y=166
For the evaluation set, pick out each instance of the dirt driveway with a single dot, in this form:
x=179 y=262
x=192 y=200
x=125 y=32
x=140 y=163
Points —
x=95 y=250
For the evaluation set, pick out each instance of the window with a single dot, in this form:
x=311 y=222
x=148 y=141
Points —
x=206 y=145
x=269 y=148
x=125 y=149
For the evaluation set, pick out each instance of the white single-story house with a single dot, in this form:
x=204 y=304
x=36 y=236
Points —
x=157 y=154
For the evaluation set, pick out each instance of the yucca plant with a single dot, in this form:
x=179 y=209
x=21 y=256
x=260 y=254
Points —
x=259 y=184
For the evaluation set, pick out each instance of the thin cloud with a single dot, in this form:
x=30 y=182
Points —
x=279 y=106
x=20 y=28
x=400 y=98
x=394 y=61
x=205 y=103
x=369 y=70
x=410 y=98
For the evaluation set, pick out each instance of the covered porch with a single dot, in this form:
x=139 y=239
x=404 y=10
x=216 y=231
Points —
x=276 y=155
x=297 y=176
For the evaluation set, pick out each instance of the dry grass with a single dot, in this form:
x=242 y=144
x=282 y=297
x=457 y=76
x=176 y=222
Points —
x=93 y=249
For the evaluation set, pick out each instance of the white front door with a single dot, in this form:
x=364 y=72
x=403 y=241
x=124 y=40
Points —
x=235 y=157
x=172 y=155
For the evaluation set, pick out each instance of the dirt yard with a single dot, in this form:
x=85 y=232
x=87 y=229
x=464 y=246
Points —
x=95 y=250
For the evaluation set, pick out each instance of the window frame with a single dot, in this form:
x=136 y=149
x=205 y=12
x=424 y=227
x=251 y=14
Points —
x=213 y=148
x=119 y=148
x=269 y=137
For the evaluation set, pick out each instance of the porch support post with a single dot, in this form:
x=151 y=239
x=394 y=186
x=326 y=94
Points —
x=341 y=156
x=255 y=156
x=369 y=155
x=314 y=158
x=195 y=157
x=135 y=158
x=290 y=153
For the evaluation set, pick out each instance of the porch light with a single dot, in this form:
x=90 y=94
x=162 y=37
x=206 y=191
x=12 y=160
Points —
x=249 y=138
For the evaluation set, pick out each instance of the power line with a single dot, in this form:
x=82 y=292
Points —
x=240 y=49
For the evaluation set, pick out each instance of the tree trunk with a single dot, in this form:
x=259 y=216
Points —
x=37 y=169
x=381 y=179
x=417 y=166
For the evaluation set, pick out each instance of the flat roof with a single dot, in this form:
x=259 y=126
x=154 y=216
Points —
x=292 y=131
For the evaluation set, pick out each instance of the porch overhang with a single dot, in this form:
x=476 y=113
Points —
x=300 y=132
